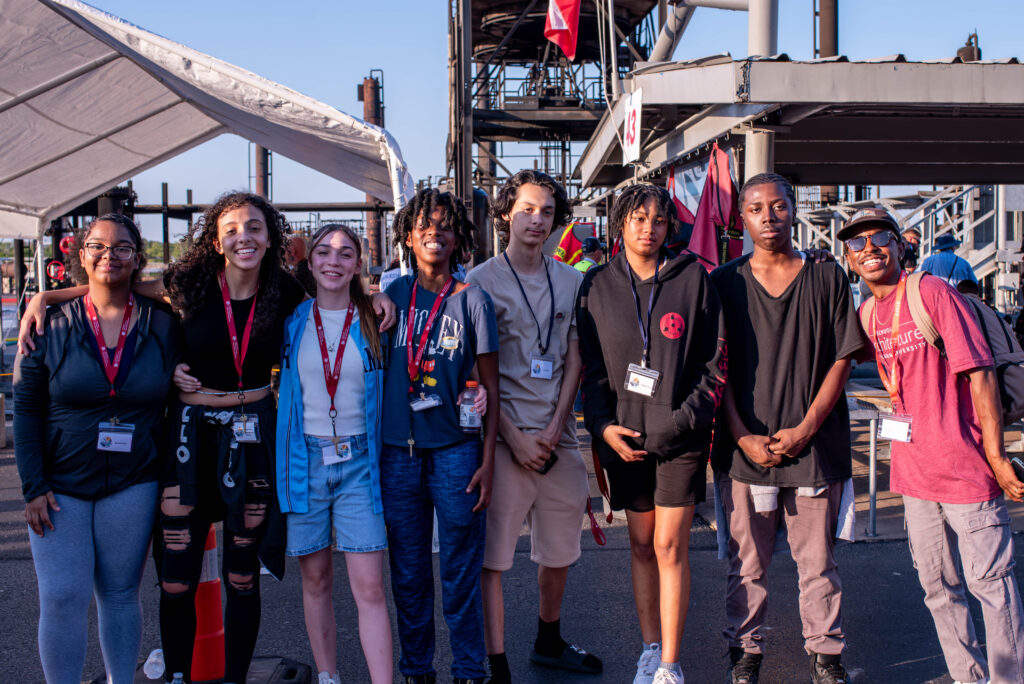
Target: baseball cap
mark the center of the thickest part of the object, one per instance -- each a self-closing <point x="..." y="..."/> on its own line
<point x="591" y="245"/>
<point x="879" y="218"/>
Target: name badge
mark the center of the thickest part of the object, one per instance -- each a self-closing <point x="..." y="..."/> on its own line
<point x="896" y="428"/>
<point x="424" y="402"/>
<point x="115" y="437"/>
<point x="246" y="428"/>
<point x="642" y="380"/>
<point x="337" y="453"/>
<point x="541" y="367"/>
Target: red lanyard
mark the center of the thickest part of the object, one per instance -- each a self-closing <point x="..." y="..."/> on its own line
<point x="414" y="362"/>
<point x="890" y="383"/>
<point x="331" y="377"/>
<point x="238" y="354"/>
<point x="110" y="368"/>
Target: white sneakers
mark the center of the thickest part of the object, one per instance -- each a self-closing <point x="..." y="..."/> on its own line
<point x="663" y="676"/>
<point x="326" y="678"/>
<point x="647" y="665"/>
<point x="983" y="680"/>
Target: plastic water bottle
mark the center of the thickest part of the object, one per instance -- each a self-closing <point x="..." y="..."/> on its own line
<point x="154" y="667"/>
<point x="179" y="678"/>
<point x="469" y="419"/>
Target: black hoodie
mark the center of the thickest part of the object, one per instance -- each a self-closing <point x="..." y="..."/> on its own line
<point x="687" y="348"/>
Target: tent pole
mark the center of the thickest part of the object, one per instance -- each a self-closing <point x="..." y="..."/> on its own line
<point x="40" y="257"/>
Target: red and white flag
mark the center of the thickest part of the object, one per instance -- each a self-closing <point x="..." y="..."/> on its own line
<point x="705" y="198"/>
<point x="562" y="25"/>
<point x="717" y="230"/>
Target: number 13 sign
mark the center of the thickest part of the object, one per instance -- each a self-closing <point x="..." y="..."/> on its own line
<point x="631" y="128"/>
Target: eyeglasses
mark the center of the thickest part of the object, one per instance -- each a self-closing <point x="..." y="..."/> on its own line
<point x="98" y="249"/>
<point x="879" y="240"/>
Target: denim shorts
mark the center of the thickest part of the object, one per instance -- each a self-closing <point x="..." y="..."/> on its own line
<point x="340" y="498"/>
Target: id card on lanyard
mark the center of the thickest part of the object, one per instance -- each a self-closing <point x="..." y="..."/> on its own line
<point x="415" y="353"/>
<point x="896" y="427"/>
<point x="422" y="401"/>
<point x="541" y="364"/>
<point x="113" y="435"/>
<point x="339" y="451"/>
<point x="245" y="426"/>
<point x="642" y="379"/>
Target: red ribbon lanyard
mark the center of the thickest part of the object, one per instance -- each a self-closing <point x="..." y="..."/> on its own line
<point x="110" y="368"/>
<point x="331" y="377"/>
<point x="890" y="384"/>
<point x="414" y="362"/>
<point x="236" y="352"/>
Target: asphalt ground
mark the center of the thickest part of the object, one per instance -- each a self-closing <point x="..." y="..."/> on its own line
<point x="890" y="634"/>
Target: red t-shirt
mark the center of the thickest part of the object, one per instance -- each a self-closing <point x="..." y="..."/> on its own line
<point x="944" y="460"/>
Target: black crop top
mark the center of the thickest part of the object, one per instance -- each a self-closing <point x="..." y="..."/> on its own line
<point x="208" y="347"/>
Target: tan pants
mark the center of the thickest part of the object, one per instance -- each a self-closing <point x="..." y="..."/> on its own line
<point x="810" y="525"/>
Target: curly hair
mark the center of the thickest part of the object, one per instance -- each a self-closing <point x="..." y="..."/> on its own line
<point x="356" y="288"/>
<point x="506" y="199"/>
<point x="74" y="263"/>
<point x="422" y="205"/>
<point x="767" y="179"/>
<point x="191" y="280"/>
<point x="634" y="197"/>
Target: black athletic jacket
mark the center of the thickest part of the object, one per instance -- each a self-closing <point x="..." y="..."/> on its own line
<point x="61" y="396"/>
<point x="687" y="347"/>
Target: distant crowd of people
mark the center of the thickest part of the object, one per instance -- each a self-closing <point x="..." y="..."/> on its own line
<point x="144" y="412"/>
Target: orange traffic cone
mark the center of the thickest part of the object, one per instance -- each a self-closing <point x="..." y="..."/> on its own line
<point x="208" y="652"/>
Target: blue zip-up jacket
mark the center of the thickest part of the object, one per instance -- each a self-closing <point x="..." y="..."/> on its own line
<point x="292" y="459"/>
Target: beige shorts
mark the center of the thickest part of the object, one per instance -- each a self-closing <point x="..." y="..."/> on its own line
<point x="553" y="505"/>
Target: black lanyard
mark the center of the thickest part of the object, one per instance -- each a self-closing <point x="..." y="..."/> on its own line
<point x="551" y="292"/>
<point x="645" y="332"/>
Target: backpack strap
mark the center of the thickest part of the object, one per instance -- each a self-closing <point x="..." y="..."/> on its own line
<point x="919" y="313"/>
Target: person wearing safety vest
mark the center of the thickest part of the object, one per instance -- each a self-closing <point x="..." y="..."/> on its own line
<point x="593" y="254"/>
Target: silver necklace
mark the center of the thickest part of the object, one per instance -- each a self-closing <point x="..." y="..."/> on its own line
<point x="333" y="345"/>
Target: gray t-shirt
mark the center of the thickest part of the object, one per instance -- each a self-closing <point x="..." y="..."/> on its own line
<point x="464" y="328"/>
<point x="529" y="401"/>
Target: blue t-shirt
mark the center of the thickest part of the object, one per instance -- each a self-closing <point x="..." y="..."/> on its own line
<point x="465" y="326"/>
<point x="949" y="267"/>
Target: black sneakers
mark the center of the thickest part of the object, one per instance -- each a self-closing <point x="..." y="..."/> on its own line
<point x="744" y="668"/>
<point x="826" y="669"/>
<point x="421" y="679"/>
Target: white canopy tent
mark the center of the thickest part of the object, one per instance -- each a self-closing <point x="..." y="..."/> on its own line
<point x="88" y="100"/>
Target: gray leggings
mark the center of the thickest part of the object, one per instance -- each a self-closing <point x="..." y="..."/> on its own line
<point x="96" y="547"/>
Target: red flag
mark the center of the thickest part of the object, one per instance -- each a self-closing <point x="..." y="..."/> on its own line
<point x="717" y="230"/>
<point x="562" y="25"/>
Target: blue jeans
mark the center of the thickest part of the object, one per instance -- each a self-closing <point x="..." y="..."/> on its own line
<point x="340" y="498"/>
<point x="413" y="488"/>
<point x="95" y="547"/>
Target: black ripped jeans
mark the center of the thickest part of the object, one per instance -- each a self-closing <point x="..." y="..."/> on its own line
<point x="179" y="547"/>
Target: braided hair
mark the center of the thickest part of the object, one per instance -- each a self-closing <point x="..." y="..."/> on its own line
<point x="419" y="209"/>
<point x="636" y="196"/>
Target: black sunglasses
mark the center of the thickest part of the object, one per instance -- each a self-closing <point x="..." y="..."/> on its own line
<point x="879" y="240"/>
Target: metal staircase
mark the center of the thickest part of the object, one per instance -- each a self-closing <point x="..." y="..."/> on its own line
<point x="990" y="238"/>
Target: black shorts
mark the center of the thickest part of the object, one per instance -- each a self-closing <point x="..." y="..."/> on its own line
<point x="639" y="486"/>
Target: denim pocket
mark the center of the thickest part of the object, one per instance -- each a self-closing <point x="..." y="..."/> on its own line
<point x="989" y="543"/>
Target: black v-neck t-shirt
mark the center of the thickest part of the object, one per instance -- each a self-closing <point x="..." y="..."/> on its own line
<point x="208" y="345"/>
<point x="780" y="350"/>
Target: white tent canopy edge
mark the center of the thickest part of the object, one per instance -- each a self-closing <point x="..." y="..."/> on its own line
<point x="65" y="143"/>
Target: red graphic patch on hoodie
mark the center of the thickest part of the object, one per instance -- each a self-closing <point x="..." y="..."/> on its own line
<point x="672" y="326"/>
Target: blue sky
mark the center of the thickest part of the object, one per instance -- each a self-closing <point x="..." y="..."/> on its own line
<point x="324" y="48"/>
